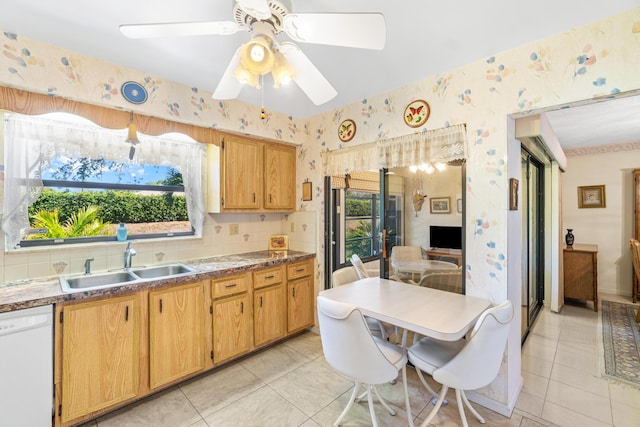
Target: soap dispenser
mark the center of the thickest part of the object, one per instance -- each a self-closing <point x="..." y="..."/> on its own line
<point x="121" y="233"/>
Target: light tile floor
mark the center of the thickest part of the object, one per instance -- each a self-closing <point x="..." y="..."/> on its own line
<point x="290" y="384"/>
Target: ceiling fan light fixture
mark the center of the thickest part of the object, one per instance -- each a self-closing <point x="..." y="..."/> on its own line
<point x="282" y="71"/>
<point x="246" y="77"/>
<point x="257" y="56"/>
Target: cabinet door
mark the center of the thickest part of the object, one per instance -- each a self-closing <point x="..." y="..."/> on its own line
<point x="99" y="355"/>
<point x="269" y="316"/>
<point x="242" y="173"/>
<point x="279" y="177"/>
<point x="300" y="304"/>
<point x="176" y="333"/>
<point x="231" y="327"/>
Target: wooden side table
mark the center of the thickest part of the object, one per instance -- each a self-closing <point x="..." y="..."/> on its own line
<point x="581" y="273"/>
<point x="449" y="255"/>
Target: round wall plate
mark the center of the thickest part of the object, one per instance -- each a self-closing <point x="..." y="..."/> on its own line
<point x="347" y="130"/>
<point x="134" y="92"/>
<point x="417" y="113"/>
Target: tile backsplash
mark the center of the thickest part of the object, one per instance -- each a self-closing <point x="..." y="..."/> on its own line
<point x="253" y="231"/>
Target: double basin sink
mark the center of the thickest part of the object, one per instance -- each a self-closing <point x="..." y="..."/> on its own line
<point x="86" y="282"/>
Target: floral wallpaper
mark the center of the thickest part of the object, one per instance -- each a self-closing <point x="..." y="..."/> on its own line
<point x="598" y="60"/>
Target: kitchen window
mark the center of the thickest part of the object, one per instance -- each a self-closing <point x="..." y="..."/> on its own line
<point x="70" y="181"/>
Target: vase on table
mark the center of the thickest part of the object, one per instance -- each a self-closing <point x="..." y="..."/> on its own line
<point x="568" y="238"/>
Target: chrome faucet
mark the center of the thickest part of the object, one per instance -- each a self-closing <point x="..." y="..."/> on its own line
<point x="128" y="253"/>
<point x="87" y="265"/>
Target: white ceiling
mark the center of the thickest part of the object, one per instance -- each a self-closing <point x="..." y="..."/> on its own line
<point x="424" y="38"/>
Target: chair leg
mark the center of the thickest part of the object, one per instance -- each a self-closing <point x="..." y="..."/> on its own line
<point x="463" y="417"/>
<point x="356" y="389"/>
<point x="427" y="386"/>
<point x="384" y="402"/>
<point x="406" y="396"/>
<point x="374" y="421"/>
<point x="436" y="407"/>
<point x="471" y="408"/>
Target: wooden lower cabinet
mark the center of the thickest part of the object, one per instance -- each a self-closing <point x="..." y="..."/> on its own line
<point x="580" y="264"/>
<point x="176" y="335"/>
<point x="99" y="355"/>
<point x="300" y="296"/>
<point x="231" y="316"/>
<point x="269" y="315"/>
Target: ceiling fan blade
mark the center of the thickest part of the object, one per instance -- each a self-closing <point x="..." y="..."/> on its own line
<point x="362" y="30"/>
<point x="256" y="8"/>
<point x="229" y="87"/>
<point x="180" y="29"/>
<point x="308" y="77"/>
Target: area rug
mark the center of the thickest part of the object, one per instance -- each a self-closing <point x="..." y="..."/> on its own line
<point x="621" y="342"/>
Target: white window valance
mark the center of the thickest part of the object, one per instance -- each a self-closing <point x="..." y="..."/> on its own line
<point x="32" y="143"/>
<point x="438" y="145"/>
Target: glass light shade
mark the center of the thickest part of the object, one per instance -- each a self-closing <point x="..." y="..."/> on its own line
<point x="282" y="71"/>
<point x="246" y="77"/>
<point x="256" y="56"/>
<point x="132" y="134"/>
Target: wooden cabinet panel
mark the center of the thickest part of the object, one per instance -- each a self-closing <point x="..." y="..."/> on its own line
<point x="176" y="335"/>
<point x="99" y="355"/>
<point x="279" y="177"/>
<point x="268" y="277"/>
<point x="300" y="312"/>
<point x="269" y="314"/>
<point x="231" y="327"/>
<point x="580" y="265"/>
<point x="230" y="285"/>
<point x="241" y="173"/>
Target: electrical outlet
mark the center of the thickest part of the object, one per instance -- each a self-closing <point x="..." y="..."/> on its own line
<point x="293" y="227"/>
<point x="234" y="229"/>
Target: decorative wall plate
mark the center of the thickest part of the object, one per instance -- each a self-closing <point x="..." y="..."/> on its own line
<point x="134" y="92"/>
<point x="417" y="113"/>
<point x="347" y="130"/>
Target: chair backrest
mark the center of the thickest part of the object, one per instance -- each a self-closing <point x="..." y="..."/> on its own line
<point x="348" y="345"/>
<point x="344" y="275"/>
<point x="406" y="253"/>
<point x="479" y="361"/>
<point x="635" y="256"/>
<point x="445" y="280"/>
<point x="359" y="266"/>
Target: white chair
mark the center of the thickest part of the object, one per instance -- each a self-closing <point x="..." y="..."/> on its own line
<point x="359" y="266"/>
<point x="467" y="364"/>
<point x="346" y="275"/>
<point x="350" y="349"/>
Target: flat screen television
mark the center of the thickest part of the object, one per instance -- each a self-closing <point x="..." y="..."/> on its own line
<point x="449" y="237"/>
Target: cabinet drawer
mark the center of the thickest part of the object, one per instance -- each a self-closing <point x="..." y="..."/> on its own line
<point x="268" y="277"/>
<point x="230" y="285"/>
<point x="301" y="269"/>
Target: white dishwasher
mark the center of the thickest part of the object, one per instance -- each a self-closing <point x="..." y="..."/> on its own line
<point x="26" y="367"/>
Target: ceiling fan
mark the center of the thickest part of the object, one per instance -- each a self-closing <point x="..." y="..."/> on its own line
<point x="263" y="54"/>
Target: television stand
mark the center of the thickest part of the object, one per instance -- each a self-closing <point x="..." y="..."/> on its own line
<point x="444" y="254"/>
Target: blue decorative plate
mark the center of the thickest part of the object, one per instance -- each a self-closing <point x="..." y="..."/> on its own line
<point x="134" y="92"/>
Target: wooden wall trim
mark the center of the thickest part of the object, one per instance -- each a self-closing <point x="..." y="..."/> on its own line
<point x="30" y="103"/>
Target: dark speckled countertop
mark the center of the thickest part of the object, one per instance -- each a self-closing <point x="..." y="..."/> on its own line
<point x="32" y="293"/>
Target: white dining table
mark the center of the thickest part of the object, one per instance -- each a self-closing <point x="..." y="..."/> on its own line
<point x="417" y="267"/>
<point x="430" y="312"/>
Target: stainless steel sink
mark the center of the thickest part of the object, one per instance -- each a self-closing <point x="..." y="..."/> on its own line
<point x="96" y="281"/>
<point x="84" y="282"/>
<point x="162" y="271"/>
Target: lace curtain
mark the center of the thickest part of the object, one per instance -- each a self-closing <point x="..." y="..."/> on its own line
<point x="31" y="143"/>
<point x="438" y="145"/>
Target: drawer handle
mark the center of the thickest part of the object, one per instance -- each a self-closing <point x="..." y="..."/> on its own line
<point x="269" y="277"/>
<point x="300" y="270"/>
<point x="231" y="286"/>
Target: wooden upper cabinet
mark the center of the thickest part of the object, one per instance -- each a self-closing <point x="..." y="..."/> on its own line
<point x="279" y="177"/>
<point x="241" y="173"/>
<point x="249" y="175"/>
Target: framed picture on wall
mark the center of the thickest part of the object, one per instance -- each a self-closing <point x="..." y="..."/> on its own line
<point x="440" y="205"/>
<point x="459" y="205"/>
<point x="592" y="196"/>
